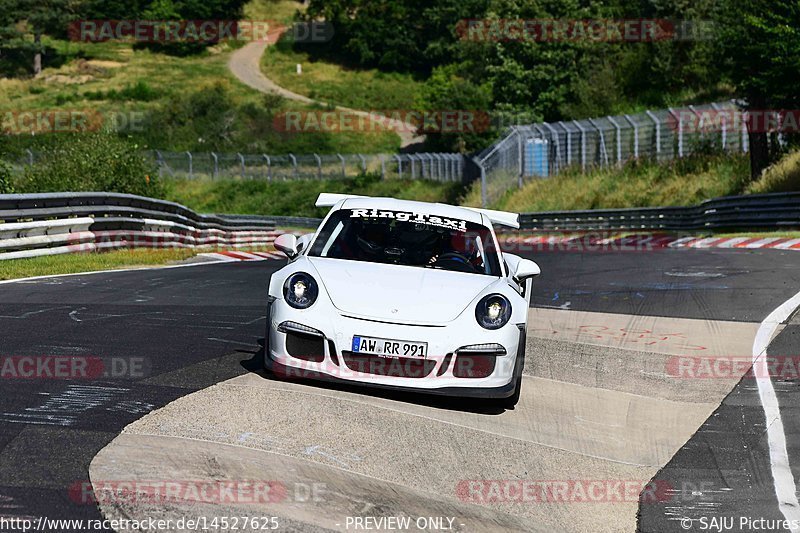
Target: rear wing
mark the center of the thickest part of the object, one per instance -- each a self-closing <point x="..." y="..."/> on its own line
<point x="329" y="199"/>
<point x="502" y="218"/>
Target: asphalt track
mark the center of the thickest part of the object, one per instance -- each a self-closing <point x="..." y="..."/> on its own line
<point x="596" y="403"/>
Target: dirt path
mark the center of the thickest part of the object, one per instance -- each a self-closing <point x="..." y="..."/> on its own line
<point x="245" y="64"/>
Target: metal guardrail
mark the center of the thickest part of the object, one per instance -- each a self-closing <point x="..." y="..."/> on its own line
<point x="774" y="211"/>
<point x="59" y="223"/>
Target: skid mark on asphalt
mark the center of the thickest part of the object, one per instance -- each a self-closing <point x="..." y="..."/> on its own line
<point x="648" y="333"/>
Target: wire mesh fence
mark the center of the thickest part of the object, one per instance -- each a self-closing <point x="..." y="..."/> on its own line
<point x="544" y="149"/>
<point x="210" y="165"/>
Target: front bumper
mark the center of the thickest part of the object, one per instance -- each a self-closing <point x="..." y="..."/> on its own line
<point x="445" y="370"/>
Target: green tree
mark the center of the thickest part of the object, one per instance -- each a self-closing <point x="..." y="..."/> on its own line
<point x="96" y="162"/>
<point x="760" y="47"/>
<point x="24" y="22"/>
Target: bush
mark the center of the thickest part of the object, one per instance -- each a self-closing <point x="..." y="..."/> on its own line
<point x="783" y="176"/>
<point x="6" y="186"/>
<point x="98" y="162"/>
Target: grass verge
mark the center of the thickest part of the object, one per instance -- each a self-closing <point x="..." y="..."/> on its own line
<point x="365" y="89"/>
<point x="642" y="183"/>
<point x="295" y="198"/>
<point x="88" y="262"/>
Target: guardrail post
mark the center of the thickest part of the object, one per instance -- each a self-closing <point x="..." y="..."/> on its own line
<point x="635" y="135"/>
<point x="241" y="161"/>
<point x="399" y="166"/>
<point x="319" y="166"/>
<point x="658" y="132"/>
<point x="269" y="167"/>
<point x="216" y="165"/>
<point x="191" y="173"/>
<point x="294" y="165"/>
<point x="619" y="139"/>
<point x="344" y="166"/>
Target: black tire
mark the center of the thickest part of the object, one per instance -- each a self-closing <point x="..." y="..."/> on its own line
<point x="511" y="402"/>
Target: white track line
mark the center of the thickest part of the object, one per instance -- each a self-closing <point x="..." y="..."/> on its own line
<point x="785" y="488"/>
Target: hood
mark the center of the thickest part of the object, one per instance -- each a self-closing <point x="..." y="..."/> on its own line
<point x="398" y="293"/>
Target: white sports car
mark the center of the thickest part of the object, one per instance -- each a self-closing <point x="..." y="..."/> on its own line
<point x="402" y="295"/>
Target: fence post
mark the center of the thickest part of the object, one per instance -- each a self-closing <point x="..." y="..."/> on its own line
<point x="583" y="143"/>
<point x="241" y="162"/>
<point x="399" y="166"/>
<point x="191" y="173"/>
<point x="269" y="166"/>
<point x="413" y="166"/>
<point x="363" y="163"/>
<point x="658" y="132"/>
<point x="723" y="124"/>
<point x="619" y="139"/>
<point x="521" y="158"/>
<point x="635" y="136"/>
<point x="569" y="142"/>
<point x="677" y="117"/>
<point x="557" y="146"/>
<point x="160" y="163"/>
<point x="344" y="167"/>
<point x="484" y="202"/>
<point x="602" y="139"/>
<point x="383" y="166"/>
<point x="294" y="165"/>
<point x="30" y="156"/>
<point x="745" y="140"/>
<point x="319" y="166"/>
<point x="216" y="165"/>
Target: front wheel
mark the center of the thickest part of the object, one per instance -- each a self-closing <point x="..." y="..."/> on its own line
<point x="511" y="402"/>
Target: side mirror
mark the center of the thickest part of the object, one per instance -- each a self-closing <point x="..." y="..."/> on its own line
<point x="304" y="241"/>
<point x="286" y="243"/>
<point x="525" y="269"/>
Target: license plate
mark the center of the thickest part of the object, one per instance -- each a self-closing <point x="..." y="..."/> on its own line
<point x="389" y="347"/>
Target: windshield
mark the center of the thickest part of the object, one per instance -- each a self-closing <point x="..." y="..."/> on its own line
<point x="410" y="239"/>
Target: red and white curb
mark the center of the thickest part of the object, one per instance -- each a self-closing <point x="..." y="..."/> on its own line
<point x="640" y="242"/>
<point x="229" y="256"/>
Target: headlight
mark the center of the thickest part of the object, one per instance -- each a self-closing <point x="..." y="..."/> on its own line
<point x="493" y="311"/>
<point x="300" y="290"/>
